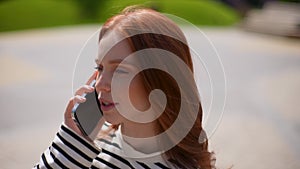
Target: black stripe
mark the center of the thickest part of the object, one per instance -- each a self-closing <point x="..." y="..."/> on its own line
<point x="112" y="135"/>
<point x="161" y="165"/>
<point x="74" y="148"/>
<point x="117" y="157"/>
<point x="68" y="156"/>
<point x="143" y="165"/>
<point x="110" y="143"/>
<point x="94" y="167"/>
<point x="57" y="161"/>
<point x="93" y="149"/>
<point x="107" y="163"/>
<point x="37" y="166"/>
<point x="45" y="161"/>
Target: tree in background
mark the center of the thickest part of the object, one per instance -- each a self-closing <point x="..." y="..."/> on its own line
<point x="89" y="9"/>
<point x="242" y="6"/>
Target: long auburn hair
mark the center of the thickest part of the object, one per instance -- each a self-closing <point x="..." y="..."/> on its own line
<point x="189" y="152"/>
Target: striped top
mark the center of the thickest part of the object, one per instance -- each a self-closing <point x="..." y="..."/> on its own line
<point x="69" y="150"/>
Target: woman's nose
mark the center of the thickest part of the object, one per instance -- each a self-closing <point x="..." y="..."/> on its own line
<point x="103" y="83"/>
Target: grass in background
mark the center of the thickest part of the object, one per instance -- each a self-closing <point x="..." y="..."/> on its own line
<point x="199" y="12"/>
<point x="26" y="14"/>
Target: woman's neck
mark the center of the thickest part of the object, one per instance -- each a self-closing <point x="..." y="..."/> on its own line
<point x="142" y="131"/>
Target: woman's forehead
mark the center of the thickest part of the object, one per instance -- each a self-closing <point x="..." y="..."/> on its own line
<point x="113" y="47"/>
<point x="108" y="41"/>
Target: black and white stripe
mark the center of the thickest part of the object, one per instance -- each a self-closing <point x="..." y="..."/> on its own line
<point x="70" y="150"/>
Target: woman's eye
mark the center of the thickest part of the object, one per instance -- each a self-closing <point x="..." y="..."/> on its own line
<point x="122" y="71"/>
<point x="99" y="68"/>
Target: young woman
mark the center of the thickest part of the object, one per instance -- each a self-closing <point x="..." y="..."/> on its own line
<point x="149" y="99"/>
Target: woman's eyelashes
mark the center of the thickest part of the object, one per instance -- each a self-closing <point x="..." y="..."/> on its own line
<point x="121" y="71"/>
<point x="99" y="68"/>
<point x="118" y="70"/>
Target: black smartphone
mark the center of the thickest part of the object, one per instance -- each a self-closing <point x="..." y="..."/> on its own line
<point x="88" y="114"/>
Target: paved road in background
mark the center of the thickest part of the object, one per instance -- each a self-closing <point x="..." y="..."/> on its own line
<point x="260" y="127"/>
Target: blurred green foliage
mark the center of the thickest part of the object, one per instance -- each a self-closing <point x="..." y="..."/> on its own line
<point x="88" y="9"/>
<point x="25" y="14"/>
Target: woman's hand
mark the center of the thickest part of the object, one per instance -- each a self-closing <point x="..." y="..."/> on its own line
<point x="68" y="119"/>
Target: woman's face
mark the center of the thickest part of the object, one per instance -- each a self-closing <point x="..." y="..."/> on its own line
<point x="109" y="66"/>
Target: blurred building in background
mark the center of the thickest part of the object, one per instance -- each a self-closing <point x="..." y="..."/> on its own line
<point x="269" y="16"/>
<point x="243" y="6"/>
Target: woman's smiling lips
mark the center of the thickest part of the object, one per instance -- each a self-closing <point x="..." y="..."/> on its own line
<point x="107" y="105"/>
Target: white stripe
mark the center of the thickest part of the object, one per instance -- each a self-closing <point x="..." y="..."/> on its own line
<point x="42" y="165"/>
<point x="113" y="160"/>
<point x="98" y="164"/>
<point x="50" y="160"/>
<point x="62" y="158"/>
<point x="78" y="144"/>
<point x="71" y="152"/>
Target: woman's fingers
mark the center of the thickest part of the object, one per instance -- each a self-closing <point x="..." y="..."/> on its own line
<point x="87" y="88"/>
<point x="74" y="100"/>
<point x="93" y="77"/>
<point x="84" y="89"/>
<point x="78" y="98"/>
<point x="68" y="120"/>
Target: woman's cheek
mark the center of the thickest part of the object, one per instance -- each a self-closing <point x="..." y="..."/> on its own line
<point x="138" y="95"/>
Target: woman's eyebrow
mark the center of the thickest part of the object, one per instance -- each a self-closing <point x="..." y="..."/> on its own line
<point x="117" y="62"/>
